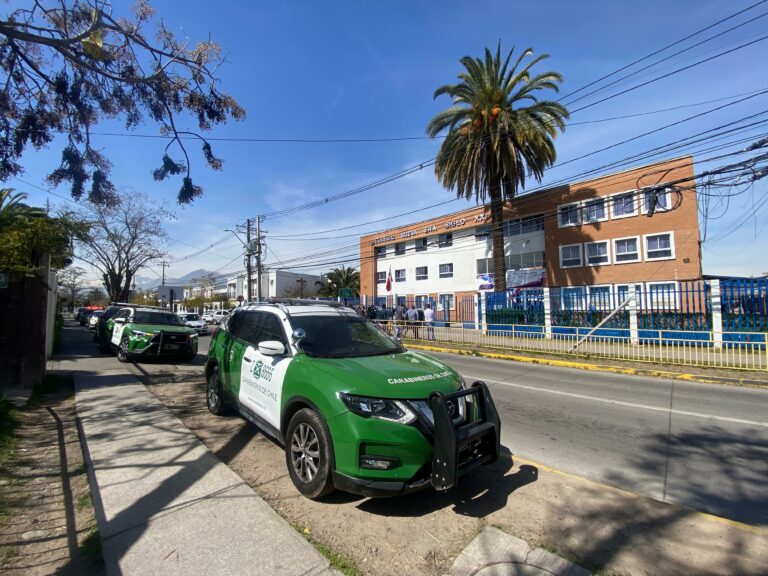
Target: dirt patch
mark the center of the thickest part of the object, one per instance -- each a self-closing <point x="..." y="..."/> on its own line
<point x="47" y="525"/>
<point x="421" y="534"/>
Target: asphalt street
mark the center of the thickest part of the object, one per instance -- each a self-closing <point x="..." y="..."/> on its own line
<point x="703" y="446"/>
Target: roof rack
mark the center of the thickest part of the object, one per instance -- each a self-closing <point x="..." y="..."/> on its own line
<point x="303" y="302"/>
<point x="137" y="305"/>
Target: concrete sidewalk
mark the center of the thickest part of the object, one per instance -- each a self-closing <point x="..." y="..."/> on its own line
<point x="164" y="503"/>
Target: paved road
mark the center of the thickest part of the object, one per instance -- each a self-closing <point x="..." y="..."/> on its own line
<point x="700" y="445"/>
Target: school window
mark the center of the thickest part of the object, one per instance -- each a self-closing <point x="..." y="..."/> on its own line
<point x="444" y="240"/>
<point x="484" y="265"/>
<point x="421" y="245"/>
<point x="600" y="298"/>
<point x="421" y="273"/>
<point x="446" y="270"/>
<point x="445" y="302"/>
<point x="658" y="246"/>
<point x="568" y="215"/>
<point x="511" y="228"/>
<point x="400" y="275"/>
<point x="662" y="200"/>
<point x="594" y="210"/>
<point x="380" y="251"/>
<point x="483" y="233"/>
<point x="662" y="296"/>
<point x="570" y="256"/>
<point x="623" y="205"/>
<point x="531" y="224"/>
<point x="421" y="301"/>
<point x="622" y="293"/>
<point x="597" y="253"/>
<point x="399" y="248"/>
<point x="573" y="298"/>
<point x="626" y="250"/>
<point x="381" y="277"/>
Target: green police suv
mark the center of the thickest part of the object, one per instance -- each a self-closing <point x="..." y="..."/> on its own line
<point x="354" y="410"/>
<point x="144" y="332"/>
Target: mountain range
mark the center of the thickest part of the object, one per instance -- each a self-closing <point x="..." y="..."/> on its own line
<point x="148" y="283"/>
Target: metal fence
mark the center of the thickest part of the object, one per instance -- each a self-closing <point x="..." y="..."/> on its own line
<point x="656" y="346"/>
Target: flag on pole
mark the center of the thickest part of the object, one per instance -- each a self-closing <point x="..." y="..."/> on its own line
<point x="389" y="279"/>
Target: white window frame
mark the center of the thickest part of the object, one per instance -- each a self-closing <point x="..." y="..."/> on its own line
<point x="611" y="298"/>
<point x="439" y="302"/>
<point x="424" y="298"/>
<point x="673" y="306"/>
<point x="383" y="277"/>
<point x="640" y="292"/>
<point x="440" y="273"/>
<point x="404" y="247"/>
<point x="585" y="207"/>
<point x="403" y="279"/>
<point x="608" y="254"/>
<point x="416" y="273"/>
<point x="563" y="300"/>
<point x="581" y="256"/>
<point x="380" y="251"/>
<point x="423" y="247"/>
<point x="665" y="192"/>
<point x="578" y="214"/>
<point x="639" y="250"/>
<point x="634" y="213"/>
<point x="671" y="246"/>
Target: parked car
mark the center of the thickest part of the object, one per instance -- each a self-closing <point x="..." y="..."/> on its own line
<point x="353" y="409"/>
<point x="85" y="315"/>
<point x="216" y="316"/>
<point x="93" y="320"/>
<point x="144" y="332"/>
<point x="195" y="321"/>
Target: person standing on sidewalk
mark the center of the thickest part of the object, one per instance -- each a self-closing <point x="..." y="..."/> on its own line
<point x="413" y="320"/>
<point x="429" y="321"/>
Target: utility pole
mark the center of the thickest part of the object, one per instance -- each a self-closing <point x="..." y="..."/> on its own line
<point x="258" y="258"/>
<point x="248" y="260"/>
<point x="301" y="282"/>
<point x="164" y="264"/>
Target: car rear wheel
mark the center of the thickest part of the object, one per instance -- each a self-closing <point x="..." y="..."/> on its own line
<point x="308" y="454"/>
<point x="214" y="398"/>
<point x="123" y="353"/>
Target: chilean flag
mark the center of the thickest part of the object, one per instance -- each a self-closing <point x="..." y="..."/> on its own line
<point x="389" y="280"/>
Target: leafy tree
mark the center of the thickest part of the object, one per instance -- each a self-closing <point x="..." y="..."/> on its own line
<point x="70" y="63"/>
<point x="28" y="234"/>
<point x="119" y="239"/>
<point x="13" y="210"/>
<point x="70" y="279"/>
<point x="498" y="133"/>
<point x="338" y="278"/>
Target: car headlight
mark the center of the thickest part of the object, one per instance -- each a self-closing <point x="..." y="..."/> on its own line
<point x="193" y="336"/>
<point x="381" y="408"/>
<point x="140" y="333"/>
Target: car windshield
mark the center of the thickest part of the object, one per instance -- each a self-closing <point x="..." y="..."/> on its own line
<point x="190" y="317"/>
<point x="145" y="317"/>
<point x="342" y="337"/>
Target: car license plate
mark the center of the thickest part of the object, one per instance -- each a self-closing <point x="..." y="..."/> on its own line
<point x="171" y="346"/>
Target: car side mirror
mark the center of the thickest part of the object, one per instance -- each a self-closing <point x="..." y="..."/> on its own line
<point x="271" y="348"/>
<point x="119" y="320"/>
<point x="298" y="335"/>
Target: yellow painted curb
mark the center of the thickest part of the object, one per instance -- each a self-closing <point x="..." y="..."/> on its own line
<point x="588" y="366"/>
<point x="727" y="521"/>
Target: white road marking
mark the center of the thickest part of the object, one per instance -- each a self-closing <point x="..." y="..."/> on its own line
<point x="620" y="403"/>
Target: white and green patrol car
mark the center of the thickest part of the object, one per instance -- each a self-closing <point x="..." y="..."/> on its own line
<point x="353" y="408"/>
<point x="138" y="332"/>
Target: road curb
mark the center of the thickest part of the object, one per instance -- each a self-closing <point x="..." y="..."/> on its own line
<point x="599" y="367"/>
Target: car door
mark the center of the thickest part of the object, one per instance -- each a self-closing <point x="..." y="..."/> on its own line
<point x="233" y="346"/>
<point x="118" y="327"/>
<point x="262" y="376"/>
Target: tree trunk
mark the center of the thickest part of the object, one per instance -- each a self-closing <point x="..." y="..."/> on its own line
<point x="497" y="235"/>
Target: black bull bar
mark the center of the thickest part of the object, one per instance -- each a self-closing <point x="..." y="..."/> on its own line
<point x="459" y="448"/>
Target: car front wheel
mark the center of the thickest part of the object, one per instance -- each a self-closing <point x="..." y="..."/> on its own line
<point x="308" y="454"/>
<point x="123" y="353"/>
<point x="214" y="399"/>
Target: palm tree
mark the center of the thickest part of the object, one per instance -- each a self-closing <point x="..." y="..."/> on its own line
<point x="338" y="278"/>
<point x="499" y="132"/>
<point x="13" y="210"/>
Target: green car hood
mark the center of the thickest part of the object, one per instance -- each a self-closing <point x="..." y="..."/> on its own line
<point x="155" y="328"/>
<point x="407" y="375"/>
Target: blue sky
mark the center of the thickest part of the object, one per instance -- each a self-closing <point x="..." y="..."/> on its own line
<point x="325" y="70"/>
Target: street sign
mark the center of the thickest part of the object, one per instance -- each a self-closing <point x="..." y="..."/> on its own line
<point x="346" y="293"/>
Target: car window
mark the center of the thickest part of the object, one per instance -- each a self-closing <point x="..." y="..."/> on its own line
<point x="342" y="336"/>
<point x="152" y="317"/>
<point x="189" y="317"/>
<point x="271" y="329"/>
<point x="236" y="326"/>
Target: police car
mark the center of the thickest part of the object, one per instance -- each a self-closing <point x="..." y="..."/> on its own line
<point x="353" y="409"/>
<point x="144" y="332"/>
